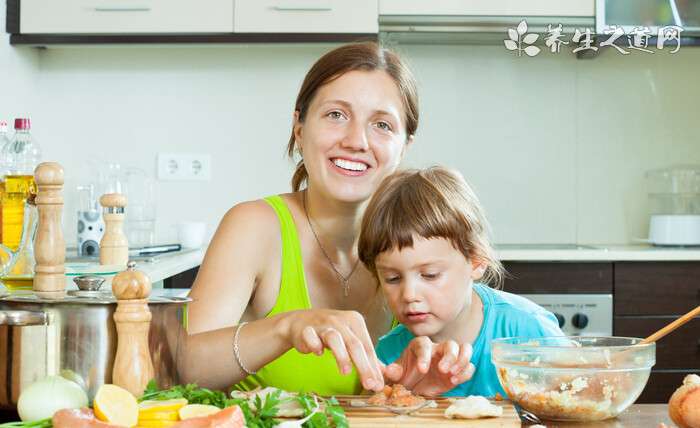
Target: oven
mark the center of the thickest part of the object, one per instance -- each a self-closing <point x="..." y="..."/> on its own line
<point x="579" y="314"/>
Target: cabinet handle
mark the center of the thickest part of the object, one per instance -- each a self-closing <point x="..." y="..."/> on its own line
<point x="122" y="9"/>
<point x="313" y="6"/>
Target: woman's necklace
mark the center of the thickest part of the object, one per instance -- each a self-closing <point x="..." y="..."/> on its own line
<point x="344" y="280"/>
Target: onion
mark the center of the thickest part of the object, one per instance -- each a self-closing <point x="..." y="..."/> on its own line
<point x="43" y="398"/>
<point x="684" y="406"/>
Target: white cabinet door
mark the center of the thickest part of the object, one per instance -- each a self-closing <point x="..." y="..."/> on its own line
<point x="125" y="16"/>
<point x="488" y="7"/>
<point x="306" y="16"/>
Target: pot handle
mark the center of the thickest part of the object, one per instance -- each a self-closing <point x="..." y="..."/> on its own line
<point x="23" y="318"/>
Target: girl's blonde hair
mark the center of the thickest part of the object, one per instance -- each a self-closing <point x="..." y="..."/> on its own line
<point x="433" y="203"/>
<point x="365" y="56"/>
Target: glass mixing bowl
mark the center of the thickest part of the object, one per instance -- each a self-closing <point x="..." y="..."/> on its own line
<point x="573" y="378"/>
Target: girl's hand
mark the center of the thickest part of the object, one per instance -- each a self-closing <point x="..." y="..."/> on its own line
<point x="431" y="369"/>
<point x="345" y="334"/>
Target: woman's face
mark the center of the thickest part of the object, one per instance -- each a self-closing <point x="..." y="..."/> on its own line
<point x="353" y="135"/>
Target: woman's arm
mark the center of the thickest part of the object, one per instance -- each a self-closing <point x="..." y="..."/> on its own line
<point x="228" y="277"/>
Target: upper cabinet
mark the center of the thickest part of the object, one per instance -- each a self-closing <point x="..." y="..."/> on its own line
<point x="66" y="22"/>
<point x="518" y="8"/>
<point x="125" y="16"/>
<point x="306" y="16"/>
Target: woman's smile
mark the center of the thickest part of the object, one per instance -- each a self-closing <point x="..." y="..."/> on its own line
<point x="348" y="167"/>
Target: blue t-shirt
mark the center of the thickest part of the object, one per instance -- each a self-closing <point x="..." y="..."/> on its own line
<point x="505" y="315"/>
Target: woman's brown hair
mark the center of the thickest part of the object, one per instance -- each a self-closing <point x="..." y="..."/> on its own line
<point x="366" y="56"/>
<point x="432" y="203"/>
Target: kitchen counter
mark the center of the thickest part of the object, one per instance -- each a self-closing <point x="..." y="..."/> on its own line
<point x="602" y="253"/>
<point x="639" y="415"/>
<point x="158" y="267"/>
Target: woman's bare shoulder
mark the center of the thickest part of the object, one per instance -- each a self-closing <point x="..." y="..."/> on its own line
<point x="250" y="218"/>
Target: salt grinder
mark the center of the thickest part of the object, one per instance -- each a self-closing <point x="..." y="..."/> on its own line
<point x="49" y="245"/>
<point x="114" y="248"/>
<point x="133" y="368"/>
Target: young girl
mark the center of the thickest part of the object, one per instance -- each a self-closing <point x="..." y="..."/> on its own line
<point x="424" y="237"/>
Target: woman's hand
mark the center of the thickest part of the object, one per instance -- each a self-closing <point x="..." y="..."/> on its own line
<point x="344" y="333"/>
<point x="431" y="369"/>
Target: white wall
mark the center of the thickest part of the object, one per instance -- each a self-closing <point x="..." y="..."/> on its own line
<point x="556" y="147"/>
<point x="18" y="75"/>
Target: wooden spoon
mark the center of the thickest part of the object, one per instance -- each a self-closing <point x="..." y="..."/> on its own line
<point x="672" y="326"/>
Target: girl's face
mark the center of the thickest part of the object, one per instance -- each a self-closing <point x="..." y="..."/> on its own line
<point x="427" y="286"/>
<point x="353" y="134"/>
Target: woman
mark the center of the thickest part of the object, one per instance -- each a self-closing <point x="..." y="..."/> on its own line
<point x="281" y="280"/>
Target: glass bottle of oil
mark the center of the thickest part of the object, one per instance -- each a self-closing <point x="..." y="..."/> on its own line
<point x="23" y="155"/>
<point x="4" y="145"/>
<point x="18" y="266"/>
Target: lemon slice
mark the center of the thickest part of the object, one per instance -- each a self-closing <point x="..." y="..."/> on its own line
<point x="159" y="416"/>
<point x="196" y="410"/>
<point x="156" y="406"/>
<point x="116" y="405"/>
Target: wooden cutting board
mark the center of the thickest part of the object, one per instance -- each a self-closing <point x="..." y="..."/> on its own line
<point x="361" y="417"/>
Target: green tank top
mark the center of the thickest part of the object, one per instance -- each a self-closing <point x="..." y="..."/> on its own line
<point x="294" y="371"/>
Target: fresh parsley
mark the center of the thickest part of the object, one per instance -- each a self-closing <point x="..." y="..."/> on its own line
<point x="265" y="409"/>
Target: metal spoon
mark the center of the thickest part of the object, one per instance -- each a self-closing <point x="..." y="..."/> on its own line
<point x="527" y="416"/>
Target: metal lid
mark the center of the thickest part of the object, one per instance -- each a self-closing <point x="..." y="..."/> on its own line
<point x="21" y="318"/>
<point x="84" y="297"/>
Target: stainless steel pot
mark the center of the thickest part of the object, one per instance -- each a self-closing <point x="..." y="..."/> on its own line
<point x="75" y="336"/>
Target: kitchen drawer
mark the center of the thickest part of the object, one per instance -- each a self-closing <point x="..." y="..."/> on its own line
<point x="656" y="288"/>
<point x="125" y="16"/>
<point x="678" y="350"/>
<point x="558" y="278"/>
<point x="662" y="384"/>
<point x="306" y="16"/>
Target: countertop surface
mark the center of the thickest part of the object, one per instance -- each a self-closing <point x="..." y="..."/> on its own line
<point x="637" y="416"/>
<point x="158" y="267"/>
<point x="602" y="253"/>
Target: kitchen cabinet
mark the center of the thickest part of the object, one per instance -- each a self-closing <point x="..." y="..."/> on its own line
<point x="558" y="278"/>
<point x="649" y="295"/>
<point x="305" y="16"/>
<point x="82" y="22"/>
<point x="125" y="16"/>
<point x="182" y="280"/>
<point x="488" y="7"/>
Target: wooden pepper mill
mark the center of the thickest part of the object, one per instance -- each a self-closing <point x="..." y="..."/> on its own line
<point x="133" y="368"/>
<point x="114" y="248"/>
<point x="49" y="245"/>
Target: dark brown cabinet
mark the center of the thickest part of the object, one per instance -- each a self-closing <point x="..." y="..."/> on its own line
<point x="649" y="295"/>
<point x="182" y="280"/>
<point x="646" y="296"/>
<point x="558" y="278"/>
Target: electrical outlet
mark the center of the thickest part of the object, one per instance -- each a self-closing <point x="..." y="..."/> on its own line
<point x="184" y="166"/>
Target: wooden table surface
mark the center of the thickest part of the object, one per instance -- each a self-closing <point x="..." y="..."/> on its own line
<point x="637" y="416"/>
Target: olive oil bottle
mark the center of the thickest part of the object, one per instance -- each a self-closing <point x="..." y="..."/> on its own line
<point x="21" y="155"/>
<point x="4" y="165"/>
<point x="17" y="189"/>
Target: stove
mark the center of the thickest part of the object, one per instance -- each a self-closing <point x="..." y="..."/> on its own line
<point x="579" y="314"/>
